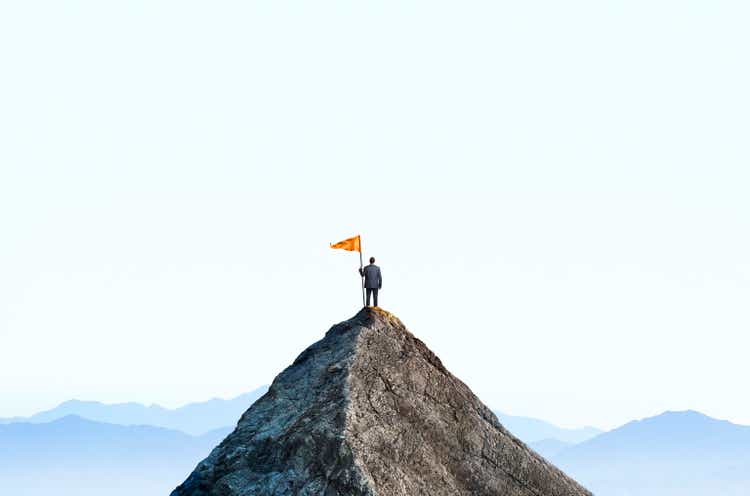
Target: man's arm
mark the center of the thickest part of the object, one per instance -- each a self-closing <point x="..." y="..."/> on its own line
<point x="361" y="272"/>
<point x="380" y="279"/>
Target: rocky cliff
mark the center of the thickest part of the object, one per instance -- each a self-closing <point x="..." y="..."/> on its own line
<point x="370" y="410"/>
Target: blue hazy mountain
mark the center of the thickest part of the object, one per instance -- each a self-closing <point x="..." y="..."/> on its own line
<point x="549" y="447"/>
<point x="198" y="418"/>
<point x="194" y="418"/>
<point x="79" y="457"/>
<point x="531" y="430"/>
<point x="675" y="453"/>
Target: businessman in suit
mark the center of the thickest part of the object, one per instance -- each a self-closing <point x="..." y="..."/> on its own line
<point x="373" y="280"/>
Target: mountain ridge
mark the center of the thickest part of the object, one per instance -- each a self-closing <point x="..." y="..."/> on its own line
<point x="676" y="453"/>
<point x="220" y="413"/>
<point x="193" y="418"/>
<point x="533" y="430"/>
<point x="74" y="456"/>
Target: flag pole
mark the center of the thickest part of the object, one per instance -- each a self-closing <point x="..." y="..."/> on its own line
<point x="361" y="266"/>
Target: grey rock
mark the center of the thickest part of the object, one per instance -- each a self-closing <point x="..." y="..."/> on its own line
<point x="370" y="410"/>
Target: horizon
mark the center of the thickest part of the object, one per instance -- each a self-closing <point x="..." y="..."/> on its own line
<point x="494" y="410"/>
<point x="556" y="195"/>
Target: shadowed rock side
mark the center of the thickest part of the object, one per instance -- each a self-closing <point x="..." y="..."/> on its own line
<point x="370" y="410"/>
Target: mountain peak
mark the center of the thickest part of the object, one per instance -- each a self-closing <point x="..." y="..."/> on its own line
<point x="76" y="402"/>
<point x="71" y="419"/>
<point x="368" y="410"/>
<point x="683" y="413"/>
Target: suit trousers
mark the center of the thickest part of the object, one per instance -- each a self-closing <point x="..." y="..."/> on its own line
<point x="374" y="292"/>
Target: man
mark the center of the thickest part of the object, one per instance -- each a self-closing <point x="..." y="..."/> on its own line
<point x="373" y="280"/>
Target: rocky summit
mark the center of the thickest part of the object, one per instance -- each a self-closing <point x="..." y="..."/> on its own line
<point x="370" y="410"/>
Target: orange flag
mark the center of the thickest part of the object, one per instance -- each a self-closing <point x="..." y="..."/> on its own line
<point x="351" y="244"/>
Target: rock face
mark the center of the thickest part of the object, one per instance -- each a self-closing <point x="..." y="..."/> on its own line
<point x="370" y="410"/>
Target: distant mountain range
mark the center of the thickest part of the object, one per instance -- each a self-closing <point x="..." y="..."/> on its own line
<point x="549" y="447"/>
<point x="82" y="448"/>
<point x="194" y="418"/>
<point x="201" y="417"/>
<point x="531" y="430"/>
<point x="72" y="456"/>
<point x="673" y="454"/>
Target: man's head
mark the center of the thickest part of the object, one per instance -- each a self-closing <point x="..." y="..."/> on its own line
<point x="372" y="259"/>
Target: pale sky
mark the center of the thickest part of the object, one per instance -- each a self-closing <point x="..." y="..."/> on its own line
<point x="557" y="194"/>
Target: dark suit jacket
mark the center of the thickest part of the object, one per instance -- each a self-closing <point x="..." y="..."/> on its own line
<point x="373" y="279"/>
